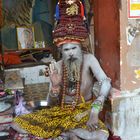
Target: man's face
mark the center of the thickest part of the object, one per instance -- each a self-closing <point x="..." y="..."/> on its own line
<point x="72" y="57"/>
<point x="71" y="51"/>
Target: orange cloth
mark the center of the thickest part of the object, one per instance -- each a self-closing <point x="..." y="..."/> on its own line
<point x="11" y="59"/>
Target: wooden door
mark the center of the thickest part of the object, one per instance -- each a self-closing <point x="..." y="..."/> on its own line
<point x="107" y="34"/>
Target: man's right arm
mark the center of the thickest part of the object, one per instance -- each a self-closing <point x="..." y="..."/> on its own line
<point x="54" y="72"/>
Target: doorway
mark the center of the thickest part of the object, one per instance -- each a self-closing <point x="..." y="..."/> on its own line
<point x="107" y="36"/>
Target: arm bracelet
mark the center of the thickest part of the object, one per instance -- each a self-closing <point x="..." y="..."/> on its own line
<point x="54" y="95"/>
<point x="54" y="91"/>
<point x="101" y="81"/>
<point x="97" y="104"/>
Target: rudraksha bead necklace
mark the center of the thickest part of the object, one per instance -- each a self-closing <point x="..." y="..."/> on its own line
<point x="65" y="86"/>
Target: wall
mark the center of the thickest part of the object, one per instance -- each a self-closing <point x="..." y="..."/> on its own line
<point x="130" y="54"/>
<point x="121" y="61"/>
<point x="33" y="75"/>
<point x="125" y="113"/>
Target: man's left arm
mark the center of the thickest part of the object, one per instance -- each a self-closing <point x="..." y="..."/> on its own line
<point x="103" y="80"/>
<point x="105" y="84"/>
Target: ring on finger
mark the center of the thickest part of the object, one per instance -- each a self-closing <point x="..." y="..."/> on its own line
<point x="95" y="126"/>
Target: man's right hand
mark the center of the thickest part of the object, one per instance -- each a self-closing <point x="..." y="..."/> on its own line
<point x="52" y="72"/>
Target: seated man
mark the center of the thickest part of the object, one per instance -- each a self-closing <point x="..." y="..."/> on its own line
<point x="76" y="115"/>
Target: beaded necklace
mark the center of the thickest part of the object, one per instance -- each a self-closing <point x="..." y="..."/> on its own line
<point x="66" y="85"/>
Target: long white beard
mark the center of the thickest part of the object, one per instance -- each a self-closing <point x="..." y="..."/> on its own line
<point x="74" y="68"/>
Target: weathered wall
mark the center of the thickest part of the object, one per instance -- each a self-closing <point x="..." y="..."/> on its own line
<point x="33" y="75"/>
<point x="121" y="61"/>
<point x="125" y="115"/>
<point x="129" y="54"/>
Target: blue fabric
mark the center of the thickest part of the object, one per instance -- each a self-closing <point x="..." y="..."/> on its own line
<point x="40" y="10"/>
<point x="57" y="15"/>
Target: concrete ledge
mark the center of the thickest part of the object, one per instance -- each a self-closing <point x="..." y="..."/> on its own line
<point x="125" y="114"/>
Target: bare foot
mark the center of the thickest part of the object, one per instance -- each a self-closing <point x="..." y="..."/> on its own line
<point x="73" y="137"/>
<point x="16" y="127"/>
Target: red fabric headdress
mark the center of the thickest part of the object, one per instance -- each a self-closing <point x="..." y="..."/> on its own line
<point x="71" y="26"/>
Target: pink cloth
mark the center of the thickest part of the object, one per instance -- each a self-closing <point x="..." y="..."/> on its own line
<point x="20" y="108"/>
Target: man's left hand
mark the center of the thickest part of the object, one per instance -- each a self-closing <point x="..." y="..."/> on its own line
<point x="92" y="123"/>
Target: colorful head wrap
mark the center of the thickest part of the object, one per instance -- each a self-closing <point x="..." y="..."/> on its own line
<point x="71" y="26"/>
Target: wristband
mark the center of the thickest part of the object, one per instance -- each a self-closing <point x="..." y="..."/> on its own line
<point x="97" y="104"/>
<point x="54" y="95"/>
<point x="102" y="80"/>
<point x="55" y="89"/>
